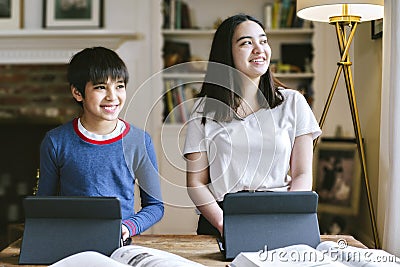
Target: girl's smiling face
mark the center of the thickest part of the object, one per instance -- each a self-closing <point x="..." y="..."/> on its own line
<point x="250" y="50"/>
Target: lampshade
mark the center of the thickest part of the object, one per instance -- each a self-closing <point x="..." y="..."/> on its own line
<point x="322" y="10"/>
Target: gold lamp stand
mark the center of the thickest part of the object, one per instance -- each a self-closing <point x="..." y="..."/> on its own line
<point x="341" y="22"/>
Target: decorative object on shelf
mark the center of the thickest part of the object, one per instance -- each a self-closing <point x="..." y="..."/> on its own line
<point x="11" y="14"/>
<point x="376" y="28"/>
<point x="81" y="14"/>
<point x="337" y="176"/>
<point x="175" y="52"/>
<point x="345" y="14"/>
<point x="197" y="64"/>
<point x="296" y="55"/>
<point x="216" y="23"/>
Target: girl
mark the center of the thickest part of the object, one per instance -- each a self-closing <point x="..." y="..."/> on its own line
<point x="246" y="130"/>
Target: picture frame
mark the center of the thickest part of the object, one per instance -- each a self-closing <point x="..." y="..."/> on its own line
<point x="75" y="14"/>
<point x="11" y="14"/>
<point x="376" y="29"/>
<point x="337" y="176"/>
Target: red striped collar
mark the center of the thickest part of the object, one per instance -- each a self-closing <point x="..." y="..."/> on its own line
<point x="103" y="142"/>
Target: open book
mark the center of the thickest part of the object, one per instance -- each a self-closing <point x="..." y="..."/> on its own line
<point x="327" y="253"/>
<point x="131" y="255"/>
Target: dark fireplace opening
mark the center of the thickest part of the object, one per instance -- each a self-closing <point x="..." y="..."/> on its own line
<point x="33" y="100"/>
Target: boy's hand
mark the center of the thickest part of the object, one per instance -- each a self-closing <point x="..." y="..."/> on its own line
<point x="125" y="232"/>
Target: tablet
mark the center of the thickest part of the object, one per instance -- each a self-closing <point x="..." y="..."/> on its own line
<point x="59" y="226"/>
<point x="254" y="221"/>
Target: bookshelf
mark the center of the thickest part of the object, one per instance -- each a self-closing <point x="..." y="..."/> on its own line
<point x="198" y="34"/>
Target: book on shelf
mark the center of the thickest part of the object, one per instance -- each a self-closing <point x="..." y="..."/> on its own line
<point x="282" y="14"/>
<point x="169" y="115"/>
<point x="131" y="255"/>
<point x="284" y="11"/>
<point x="268" y="16"/>
<point x="327" y="253"/>
<point x="166" y="14"/>
<point x="276" y="14"/>
<point x="178" y="100"/>
<point x="290" y="16"/>
<point x="176" y="15"/>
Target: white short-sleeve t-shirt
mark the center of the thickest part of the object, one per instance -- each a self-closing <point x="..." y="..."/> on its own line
<point x="251" y="153"/>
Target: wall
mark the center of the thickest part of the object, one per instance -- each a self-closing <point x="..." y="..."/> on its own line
<point x="368" y="77"/>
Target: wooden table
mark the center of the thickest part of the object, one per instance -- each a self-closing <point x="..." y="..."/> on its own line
<point x="199" y="248"/>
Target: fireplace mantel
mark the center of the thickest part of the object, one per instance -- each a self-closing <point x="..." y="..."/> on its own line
<point x="55" y="46"/>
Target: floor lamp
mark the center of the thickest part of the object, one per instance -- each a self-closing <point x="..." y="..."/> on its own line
<point x="345" y="14"/>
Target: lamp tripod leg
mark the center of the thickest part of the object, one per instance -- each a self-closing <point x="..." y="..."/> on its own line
<point x="360" y="146"/>
<point x="328" y="101"/>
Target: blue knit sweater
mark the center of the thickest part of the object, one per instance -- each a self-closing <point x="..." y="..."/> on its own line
<point x="73" y="165"/>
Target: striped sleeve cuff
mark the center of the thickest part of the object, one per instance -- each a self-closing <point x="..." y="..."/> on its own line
<point x="131" y="227"/>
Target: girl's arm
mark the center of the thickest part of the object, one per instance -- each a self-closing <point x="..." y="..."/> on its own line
<point x="197" y="179"/>
<point x="301" y="163"/>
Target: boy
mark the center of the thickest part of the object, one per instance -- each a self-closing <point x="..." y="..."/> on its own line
<point x="99" y="154"/>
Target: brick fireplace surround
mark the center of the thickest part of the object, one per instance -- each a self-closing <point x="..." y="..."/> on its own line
<point x="34" y="92"/>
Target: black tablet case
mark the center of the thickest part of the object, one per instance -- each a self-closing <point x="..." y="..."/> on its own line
<point x="253" y="220"/>
<point x="57" y="227"/>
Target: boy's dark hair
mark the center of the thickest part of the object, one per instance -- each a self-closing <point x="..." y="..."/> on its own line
<point x="96" y="65"/>
<point x="225" y="92"/>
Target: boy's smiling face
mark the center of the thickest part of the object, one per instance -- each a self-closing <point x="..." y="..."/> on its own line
<point x="103" y="101"/>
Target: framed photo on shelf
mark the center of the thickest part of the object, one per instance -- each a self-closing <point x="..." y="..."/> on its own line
<point x="11" y="14"/>
<point x="77" y="14"/>
<point x="337" y="176"/>
<point x="376" y="28"/>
